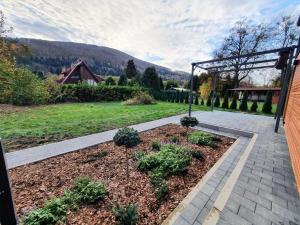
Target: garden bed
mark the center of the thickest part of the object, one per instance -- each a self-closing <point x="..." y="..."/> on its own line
<point x="35" y="183"/>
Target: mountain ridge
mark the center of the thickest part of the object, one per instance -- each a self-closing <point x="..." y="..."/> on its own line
<point x="52" y="56"/>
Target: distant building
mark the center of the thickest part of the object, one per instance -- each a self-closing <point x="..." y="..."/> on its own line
<point x="258" y="93"/>
<point x="79" y="72"/>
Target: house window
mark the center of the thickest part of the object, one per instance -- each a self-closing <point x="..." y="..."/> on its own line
<point x="91" y="82"/>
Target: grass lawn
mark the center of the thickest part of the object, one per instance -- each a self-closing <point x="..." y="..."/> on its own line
<point x="33" y="126"/>
<point x="38" y="125"/>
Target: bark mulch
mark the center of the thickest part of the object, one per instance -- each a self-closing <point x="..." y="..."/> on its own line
<point x="33" y="184"/>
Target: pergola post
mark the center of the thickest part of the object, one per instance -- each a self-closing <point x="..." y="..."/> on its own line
<point x="284" y="89"/>
<point x="213" y="92"/>
<point x="7" y="209"/>
<point x="191" y="90"/>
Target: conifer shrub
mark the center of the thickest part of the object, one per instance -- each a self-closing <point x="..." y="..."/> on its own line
<point x="202" y="138"/>
<point x="244" y="103"/>
<point x="155" y="145"/>
<point x="186" y="98"/>
<point x="208" y="102"/>
<point x="225" y="104"/>
<point x="197" y="155"/>
<point x="126" y="215"/>
<point x="233" y="104"/>
<point x="267" y="106"/>
<point x="202" y="101"/>
<point x="187" y="122"/>
<point x="177" y="99"/>
<point x="217" y="101"/>
<point x="254" y="106"/>
<point x="196" y="100"/>
<point x="181" y="99"/>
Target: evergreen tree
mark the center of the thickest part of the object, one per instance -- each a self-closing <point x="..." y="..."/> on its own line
<point x="196" y="100"/>
<point x="225" y="101"/>
<point x="122" y="80"/>
<point x="202" y="101"/>
<point x="150" y="79"/>
<point x="244" y="103"/>
<point x="217" y="102"/>
<point x="181" y="99"/>
<point x="267" y="107"/>
<point x="196" y="83"/>
<point x="208" y="102"/>
<point x="254" y="106"/>
<point x="171" y="83"/>
<point x="186" y="99"/>
<point x="177" y="96"/>
<point x="130" y="69"/>
<point x="233" y="104"/>
<point x="173" y="97"/>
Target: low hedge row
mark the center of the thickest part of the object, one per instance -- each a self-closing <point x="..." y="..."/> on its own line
<point x="88" y="93"/>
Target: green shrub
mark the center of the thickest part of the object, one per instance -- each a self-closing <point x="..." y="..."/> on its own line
<point x="267" y="107"/>
<point x="244" y="103"/>
<point x="233" y="104"/>
<point x="140" y="99"/>
<point x="55" y="210"/>
<point x="138" y="155"/>
<point x="196" y="100"/>
<point x="83" y="92"/>
<point x="198" y="155"/>
<point x="254" y="106"/>
<point x="177" y="99"/>
<point x="171" y="159"/>
<point x="88" y="191"/>
<point x="122" y="80"/>
<point x="186" y="98"/>
<point x="187" y="122"/>
<point x="126" y="215"/>
<point x="173" y="139"/>
<point x="155" y="145"/>
<point x="202" y="138"/>
<point x="110" y="81"/>
<point x="26" y="88"/>
<point x="54" y="89"/>
<point x="181" y="98"/>
<point x="162" y="191"/>
<point x="129" y="138"/>
<point x="217" y="101"/>
<point x="208" y="102"/>
<point x="225" y="104"/>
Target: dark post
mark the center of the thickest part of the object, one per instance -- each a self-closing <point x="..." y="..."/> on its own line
<point x="284" y="88"/>
<point x="191" y="91"/>
<point x="7" y="209"/>
<point x="280" y="93"/>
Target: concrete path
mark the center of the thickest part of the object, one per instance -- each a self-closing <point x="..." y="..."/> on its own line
<point x="264" y="192"/>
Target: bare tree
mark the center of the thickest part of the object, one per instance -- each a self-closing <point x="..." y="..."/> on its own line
<point x="285" y="32"/>
<point x="4" y="30"/>
<point x="244" y="38"/>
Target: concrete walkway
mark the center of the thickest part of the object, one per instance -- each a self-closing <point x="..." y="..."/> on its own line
<point x="264" y="191"/>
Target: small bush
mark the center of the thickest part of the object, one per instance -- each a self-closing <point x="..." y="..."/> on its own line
<point x="202" y="138"/>
<point x="110" y="81"/>
<point x="198" y="155"/>
<point x="225" y="104"/>
<point x="126" y="215"/>
<point x="208" y="102"/>
<point x="254" y="106"/>
<point x="202" y="102"/>
<point x="54" y="211"/>
<point x="267" y="107"/>
<point x="141" y="99"/>
<point x="217" y="101"/>
<point x="155" y="145"/>
<point x="127" y="137"/>
<point x="88" y="191"/>
<point x="138" y="155"/>
<point x="173" y="139"/>
<point x="187" y="122"/>
<point x="162" y="191"/>
<point x="95" y="157"/>
<point x="196" y="102"/>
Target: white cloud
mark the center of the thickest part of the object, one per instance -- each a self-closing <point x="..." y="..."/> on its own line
<point x="171" y="33"/>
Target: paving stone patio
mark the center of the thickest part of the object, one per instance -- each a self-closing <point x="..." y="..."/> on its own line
<point x="265" y="191"/>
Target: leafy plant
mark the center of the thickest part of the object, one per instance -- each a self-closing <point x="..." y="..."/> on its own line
<point x="129" y="138"/>
<point x="155" y="145"/>
<point x="138" y="155"/>
<point x="126" y="215"/>
<point x="162" y="190"/>
<point x="187" y="122"/>
<point x="202" y="138"/>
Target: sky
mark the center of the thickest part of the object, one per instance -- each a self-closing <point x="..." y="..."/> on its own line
<point x="171" y="33"/>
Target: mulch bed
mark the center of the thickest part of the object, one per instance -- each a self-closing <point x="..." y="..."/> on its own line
<point x="35" y="183"/>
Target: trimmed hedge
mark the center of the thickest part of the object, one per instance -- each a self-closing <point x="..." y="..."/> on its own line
<point x="87" y="93"/>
